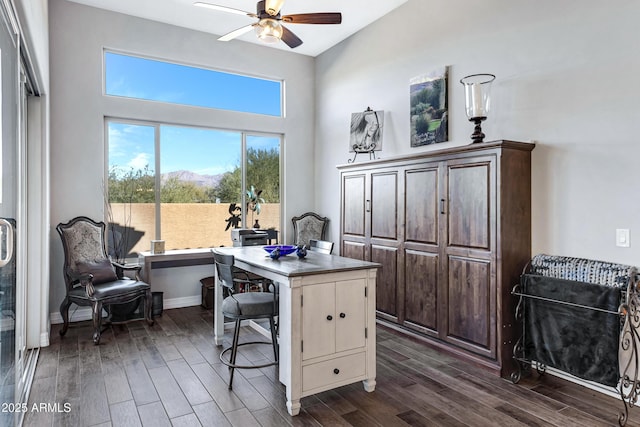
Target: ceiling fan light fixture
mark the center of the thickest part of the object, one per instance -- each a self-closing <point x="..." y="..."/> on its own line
<point x="269" y="30"/>
<point x="272" y="7"/>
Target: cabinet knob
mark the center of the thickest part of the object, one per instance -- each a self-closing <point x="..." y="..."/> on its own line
<point x="336" y="371"/>
<point x="329" y="317"/>
<point x="342" y="315"/>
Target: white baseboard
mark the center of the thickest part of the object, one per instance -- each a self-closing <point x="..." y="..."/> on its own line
<point x="44" y="337"/>
<point x="609" y="391"/>
<point x="81" y="314"/>
<point x="182" y="302"/>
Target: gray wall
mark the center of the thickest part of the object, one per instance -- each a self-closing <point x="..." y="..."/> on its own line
<point x="78" y="35"/>
<point x="567" y="78"/>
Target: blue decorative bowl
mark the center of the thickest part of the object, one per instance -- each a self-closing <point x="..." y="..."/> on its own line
<point x="284" y="249"/>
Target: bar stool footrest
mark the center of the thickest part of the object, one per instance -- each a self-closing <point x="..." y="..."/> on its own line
<point x="229" y="364"/>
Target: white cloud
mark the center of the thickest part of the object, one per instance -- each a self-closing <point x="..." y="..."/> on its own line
<point x="140" y="161"/>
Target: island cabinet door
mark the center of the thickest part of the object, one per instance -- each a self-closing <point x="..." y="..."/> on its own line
<point x="318" y="320"/>
<point x="350" y="315"/>
<point x="333" y="318"/>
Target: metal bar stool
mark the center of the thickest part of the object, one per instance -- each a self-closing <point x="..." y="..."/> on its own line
<point x="243" y="306"/>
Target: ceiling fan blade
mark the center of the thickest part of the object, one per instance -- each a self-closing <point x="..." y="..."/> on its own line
<point x="224" y="9"/>
<point x="272" y="7"/>
<point x="314" y="18"/>
<point x="289" y="38"/>
<point x="236" y="33"/>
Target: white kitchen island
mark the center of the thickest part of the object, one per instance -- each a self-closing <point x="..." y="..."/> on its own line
<point x="327" y="325"/>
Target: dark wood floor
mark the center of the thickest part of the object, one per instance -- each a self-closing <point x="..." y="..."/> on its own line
<point x="170" y="374"/>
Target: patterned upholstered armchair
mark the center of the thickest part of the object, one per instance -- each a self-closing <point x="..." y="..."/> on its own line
<point x="308" y="226"/>
<point x="91" y="279"/>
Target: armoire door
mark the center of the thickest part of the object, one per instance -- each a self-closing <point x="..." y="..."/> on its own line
<point x="384" y="241"/>
<point x="470" y="238"/>
<point x="421" y="248"/>
<point x="355" y="204"/>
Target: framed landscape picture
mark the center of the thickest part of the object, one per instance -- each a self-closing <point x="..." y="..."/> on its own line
<point x="428" y="108"/>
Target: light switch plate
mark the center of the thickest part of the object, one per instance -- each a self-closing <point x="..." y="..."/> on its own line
<point x="622" y="237"/>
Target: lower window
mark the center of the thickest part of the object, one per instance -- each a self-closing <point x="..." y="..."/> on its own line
<point x="187" y="186"/>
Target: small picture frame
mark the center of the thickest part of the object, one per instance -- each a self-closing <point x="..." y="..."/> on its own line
<point x="157" y="247"/>
<point x="366" y="131"/>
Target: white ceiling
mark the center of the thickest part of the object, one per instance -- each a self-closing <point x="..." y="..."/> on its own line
<point x="356" y="14"/>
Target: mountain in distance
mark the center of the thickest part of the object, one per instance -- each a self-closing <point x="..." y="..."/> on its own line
<point x="196" y="178"/>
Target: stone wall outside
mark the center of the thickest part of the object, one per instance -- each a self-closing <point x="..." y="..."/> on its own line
<point x="188" y="225"/>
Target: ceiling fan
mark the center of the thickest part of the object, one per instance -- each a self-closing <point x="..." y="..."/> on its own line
<point x="269" y="26"/>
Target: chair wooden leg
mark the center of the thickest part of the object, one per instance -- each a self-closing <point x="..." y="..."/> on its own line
<point x="64" y="312"/>
<point x="97" y="321"/>
<point x="148" y="302"/>
<point x="234" y="352"/>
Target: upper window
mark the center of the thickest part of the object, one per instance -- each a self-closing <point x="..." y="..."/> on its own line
<point x="141" y="78"/>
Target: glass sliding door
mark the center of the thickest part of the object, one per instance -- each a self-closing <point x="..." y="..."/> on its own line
<point x="12" y="315"/>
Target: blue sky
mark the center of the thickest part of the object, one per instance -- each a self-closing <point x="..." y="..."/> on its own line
<point x="143" y="78"/>
<point x="209" y="152"/>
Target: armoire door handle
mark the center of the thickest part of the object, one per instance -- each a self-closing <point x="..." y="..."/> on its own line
<point x="442" y="202"/>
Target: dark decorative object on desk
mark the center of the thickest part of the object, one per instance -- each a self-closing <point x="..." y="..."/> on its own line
<point x="301" y="251"/>
<point x="253" y="203"/>
<point x="275" y="254"/>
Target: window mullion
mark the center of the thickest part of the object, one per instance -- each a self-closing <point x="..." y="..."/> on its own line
<point x="243" y="180"/>
<point x="158" y="181"/>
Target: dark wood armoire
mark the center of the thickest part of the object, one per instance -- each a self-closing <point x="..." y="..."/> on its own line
<point x="452" y="229"/>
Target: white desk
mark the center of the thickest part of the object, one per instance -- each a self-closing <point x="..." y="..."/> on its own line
<point x="173" y="258"/>
<point x="327" y="331"/>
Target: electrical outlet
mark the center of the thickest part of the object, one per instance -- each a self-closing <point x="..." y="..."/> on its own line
<point x="622" y="237"/>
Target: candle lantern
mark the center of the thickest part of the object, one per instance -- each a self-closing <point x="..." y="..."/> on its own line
<point x="477" y="90"/>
